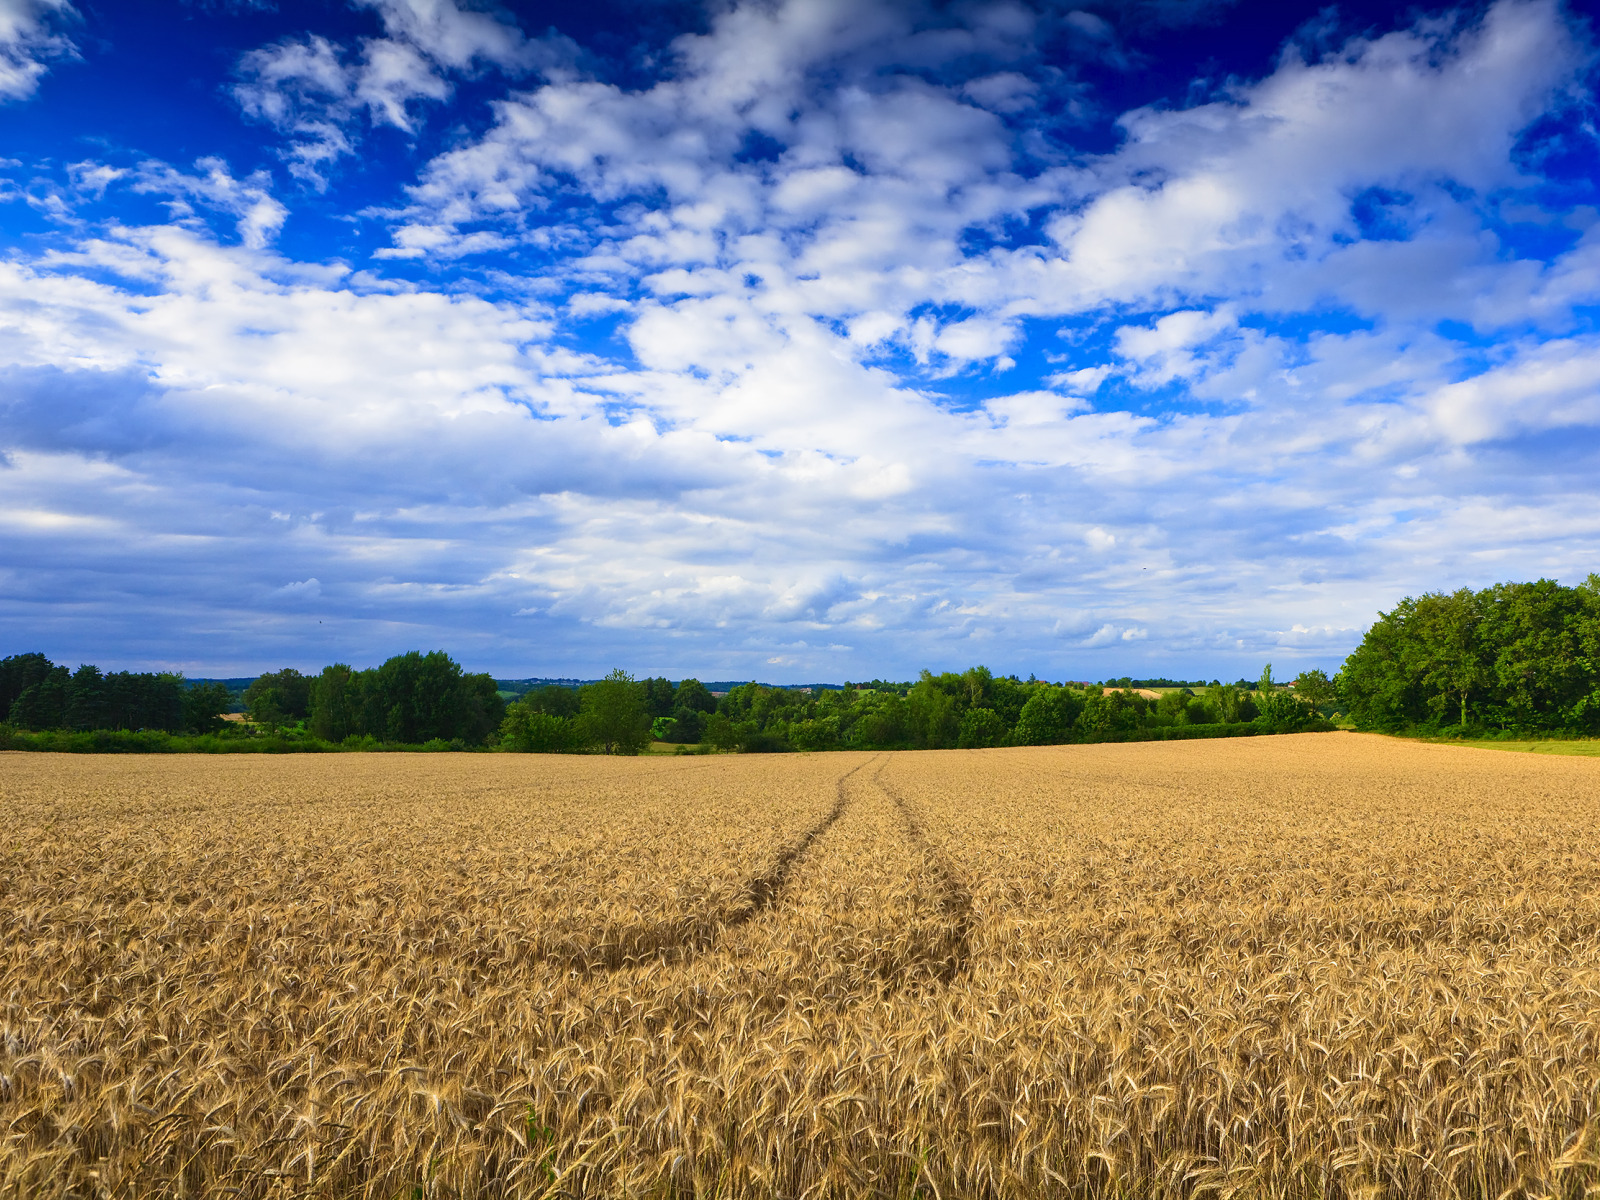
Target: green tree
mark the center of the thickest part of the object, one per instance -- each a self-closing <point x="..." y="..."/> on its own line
<point x="43" y="704"/>
<point x="1315" y="688"/>
<point x="1446" y="649"/>
<point x="719" y="733"/>
<point x="554" y="700"/>
<point x="1007" y="696"/>
<point x="1231" y="703"/>
<point x="1536" y="632"/>
<point x="933" y="709"/>
<point x="203" y="706"/>
<point x="1112" y="712"/>
<point x="1381" y="681"/>
<point x="980" y="727"/>
<point x="882" y="721"/>
<point x="658" y="697"/>
<point x="415" y="697"/>
<point x="691" y="693"/>
<point x="530" y="729"/>
<point x="267" y="711"/>
<point x="291" y="695"/>
<point x="1182" y="707"/>
<point x="1048" y="715"/>
<point x="1517" y="655"/>
<point x="18" y="673"/>
<point x="86" y="699"/>
<point x="479" y="709"/>
<point x="688" y="723"/>
<point x="336" y="703"/>
<point x="612" y="714"/>
<point x="816" y="733"/>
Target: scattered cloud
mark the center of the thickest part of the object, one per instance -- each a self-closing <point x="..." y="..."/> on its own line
<point x="815" y="347"/>
<point x="30" y="37"/>
<point x="258" y="214"/>
<point x="318" y="91"/>
<point x="305" y="589"/>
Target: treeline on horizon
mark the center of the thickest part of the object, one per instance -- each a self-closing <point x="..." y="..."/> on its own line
<point x="412" y="699"/>
<point x="1509" y="660"/>
<point x="974" y="709"/>
<point x="427" y="701"/>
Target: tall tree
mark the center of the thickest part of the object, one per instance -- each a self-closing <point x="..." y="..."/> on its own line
<point x="43" y="705"/>
<point x="612" y="714"/>
<point x="203" y="706"/>
<point x="285" y="692"/>
<point x="335" y="699"/>
<point x="18" y="673"/>
<point x="691" y="693"/>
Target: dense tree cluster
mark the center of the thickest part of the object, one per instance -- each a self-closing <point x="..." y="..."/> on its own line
<point x="37" y="694"/>
<point x="411" y="699"/>
<point x="1519" y="657"/>
<point x="973" y="709"/>
<point x="615" y="715"/>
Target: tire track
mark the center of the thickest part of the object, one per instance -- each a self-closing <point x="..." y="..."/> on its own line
<point x="949" y="957"/>
<point x="677" y="941"/>
<point x="763" y="890"/>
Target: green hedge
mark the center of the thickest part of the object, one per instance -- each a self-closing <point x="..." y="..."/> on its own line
<point x="122" y="741"/>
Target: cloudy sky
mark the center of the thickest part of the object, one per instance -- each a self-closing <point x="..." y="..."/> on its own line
<point x="787" y="339"/>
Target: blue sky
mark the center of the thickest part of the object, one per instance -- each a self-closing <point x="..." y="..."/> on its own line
<point x="798" y="340"/>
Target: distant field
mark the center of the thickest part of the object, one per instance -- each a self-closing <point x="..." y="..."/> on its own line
<point x="1311" y="965"/>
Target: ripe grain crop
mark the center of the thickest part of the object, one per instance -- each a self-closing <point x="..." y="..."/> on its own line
<point x="1318" y="965"/>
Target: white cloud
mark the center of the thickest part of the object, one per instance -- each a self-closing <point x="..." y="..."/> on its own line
<point x="28" y="40"/>
<point x="1032" y="408"/>
<point x="798" y="439"/>
<point x="92" y="178"/>
<point x="317" y="91"/>
<point x="1003" y="92"/>
<point x="595" y="304"/>
<point x="260" y="215"/>
<point x="453" y="37"/>
<point x="1546" y="386"/>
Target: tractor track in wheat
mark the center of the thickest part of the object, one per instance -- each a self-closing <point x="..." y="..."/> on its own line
<point x="955" y="897"/>
<point x="701" y="932"/>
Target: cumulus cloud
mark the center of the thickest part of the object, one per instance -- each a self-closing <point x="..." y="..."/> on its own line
<point x="826" y="234"/>
<point x="864" y="210"/>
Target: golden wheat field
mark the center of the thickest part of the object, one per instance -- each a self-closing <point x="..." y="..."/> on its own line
<point x="1307" y="966"/>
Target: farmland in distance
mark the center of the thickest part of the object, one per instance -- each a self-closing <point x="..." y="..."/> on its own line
<point x="1309" y="965"/>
